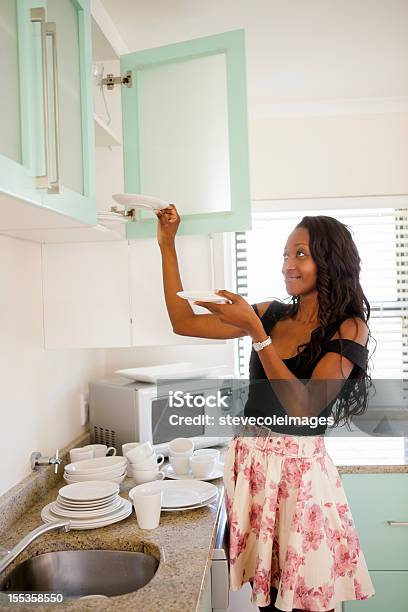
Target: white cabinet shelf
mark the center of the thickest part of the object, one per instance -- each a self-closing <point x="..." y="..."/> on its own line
<point x="104" y="135"/>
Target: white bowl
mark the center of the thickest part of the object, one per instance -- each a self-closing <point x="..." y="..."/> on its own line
<point x="116" y="471"/>
<point x="99" y="464"/>
<point x="86" y="477"/>
<point x="73" y="479"/>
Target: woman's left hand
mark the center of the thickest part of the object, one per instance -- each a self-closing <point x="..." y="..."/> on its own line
<point x="238" y="313"/>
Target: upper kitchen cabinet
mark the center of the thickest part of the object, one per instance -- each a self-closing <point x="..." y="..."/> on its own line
<point x="185" y="133"/>
<point x="47" y="147"/>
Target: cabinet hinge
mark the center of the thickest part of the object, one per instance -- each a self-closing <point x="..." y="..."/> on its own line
<point x="110" y="81"/>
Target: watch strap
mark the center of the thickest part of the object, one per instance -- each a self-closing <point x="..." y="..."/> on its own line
<point x="258" y="346"/>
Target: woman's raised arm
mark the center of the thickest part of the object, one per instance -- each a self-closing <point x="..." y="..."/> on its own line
<point x="182" y="317"/>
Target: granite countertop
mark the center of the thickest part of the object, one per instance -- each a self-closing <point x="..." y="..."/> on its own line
<point x="183" y="543"/>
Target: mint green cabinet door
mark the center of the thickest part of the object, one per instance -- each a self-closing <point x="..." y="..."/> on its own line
<point x="20" y="46"/>
<point x="70" y="116"/>
<point x="391" y="594"/>
<point x="47" y="145"/>
<point x="376" y="499"/>
<point x="186" y="134"/>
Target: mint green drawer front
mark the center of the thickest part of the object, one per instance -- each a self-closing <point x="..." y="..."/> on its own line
<point x="391" y="594"/>
<point x="375" y="499"/>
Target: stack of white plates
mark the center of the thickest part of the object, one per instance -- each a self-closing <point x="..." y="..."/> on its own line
<point x="180" y="495"/>
<point x="100" y="468"/>
<point x="88" y="505"/>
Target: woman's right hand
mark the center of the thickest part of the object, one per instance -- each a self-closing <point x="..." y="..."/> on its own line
<point x="167" y="226"/>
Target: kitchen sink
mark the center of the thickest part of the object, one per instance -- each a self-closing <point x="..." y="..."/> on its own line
<point x="79" y="573"/>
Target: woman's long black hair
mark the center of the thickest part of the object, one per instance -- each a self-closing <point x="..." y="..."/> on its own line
<point x="340" y="296"/>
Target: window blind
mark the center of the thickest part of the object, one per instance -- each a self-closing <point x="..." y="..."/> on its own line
<point x="381" y="236"/>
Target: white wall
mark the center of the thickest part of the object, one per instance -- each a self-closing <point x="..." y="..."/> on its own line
<point x="39" y="390"/>
<point x="324" y="156"/>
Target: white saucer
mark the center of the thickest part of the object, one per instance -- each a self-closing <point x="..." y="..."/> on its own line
<point x="170" y="473"/>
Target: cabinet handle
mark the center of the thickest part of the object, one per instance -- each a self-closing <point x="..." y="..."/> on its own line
<point x="398" y="523"/>
<point x="38" y="16"/>
<point x="51" y="30"/>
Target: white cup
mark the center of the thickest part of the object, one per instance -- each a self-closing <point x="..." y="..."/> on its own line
<point x="208" y="452"/>
<point x="181" y="446"/>
<point x="128" y="446"/>
<point x="79" y="454"/>
<point x="202" y="465"/>
<point x="180" y="464"/>
<point x="149" y="463"/>
<point x="140" y="452"/>
<point x="101" y="450"/>
<point x="147" y="508"/>
<point x="141" y="476"/>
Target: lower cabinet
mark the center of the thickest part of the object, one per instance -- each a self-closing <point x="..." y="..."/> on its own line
<point x="379" y="505"/>
<point x="206" y="605"/>
<point x="391" y="594"/>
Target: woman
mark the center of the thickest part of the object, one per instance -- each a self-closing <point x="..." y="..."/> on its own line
<point x="291" y="531"/>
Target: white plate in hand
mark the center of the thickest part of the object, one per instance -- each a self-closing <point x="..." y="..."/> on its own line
<point x="203" y="296"/>
<point x="171" y="371"/>
<point x="138" y="200"/>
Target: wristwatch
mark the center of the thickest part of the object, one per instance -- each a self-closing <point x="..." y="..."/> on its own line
<point x="258" y="346"/>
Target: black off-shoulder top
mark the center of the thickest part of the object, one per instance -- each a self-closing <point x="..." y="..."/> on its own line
<point x="261" y="398"/>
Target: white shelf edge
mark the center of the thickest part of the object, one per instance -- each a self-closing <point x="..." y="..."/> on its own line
<point x="104" y="136"/>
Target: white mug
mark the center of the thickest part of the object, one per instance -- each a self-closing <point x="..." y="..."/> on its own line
<point x="147" y="508"/>
<point x="142" y="451"/>
<point x="149" y="463"/>
<point x="128" y="446"/>
<point x="181" y="465"/>
<point x="208" y="452"/>
<point x="101" y="450"/>
<point x="181" y="446"/>
<point x="202" y="465"/>
<point x="79" y="454"/>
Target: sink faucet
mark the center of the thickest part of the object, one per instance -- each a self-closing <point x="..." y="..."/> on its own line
<point x="38" y="460"/>
<point x="28" y="539"/>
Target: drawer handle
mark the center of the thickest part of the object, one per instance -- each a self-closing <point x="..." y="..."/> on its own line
<point x="398" y="523"/>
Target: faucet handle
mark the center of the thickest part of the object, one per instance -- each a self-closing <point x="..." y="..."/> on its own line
<point x="57" y="461"/>
<point x="38" y="460"/>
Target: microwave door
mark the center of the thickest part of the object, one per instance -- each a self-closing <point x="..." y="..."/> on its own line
<point x="168" y="422"/>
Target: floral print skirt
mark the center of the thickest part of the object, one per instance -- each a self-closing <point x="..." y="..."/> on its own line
<point x="290" y="524"/>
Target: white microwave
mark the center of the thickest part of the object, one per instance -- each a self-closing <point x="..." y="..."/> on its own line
<point x="123" y="411"/>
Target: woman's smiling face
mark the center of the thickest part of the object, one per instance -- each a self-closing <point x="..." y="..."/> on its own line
<point x="299" y="269"/>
